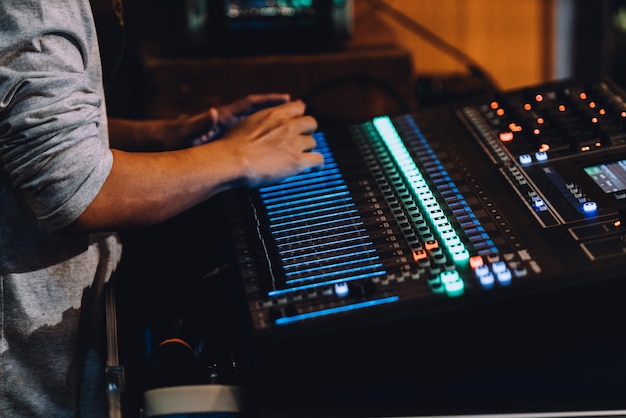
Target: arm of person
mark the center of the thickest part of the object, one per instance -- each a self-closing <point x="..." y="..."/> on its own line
<point x="146" y="188"/>
<point x="178" y="133"/>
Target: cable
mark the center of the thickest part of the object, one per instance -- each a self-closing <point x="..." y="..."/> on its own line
<point x="357" y="79"/>
<point x="474" y="68"/>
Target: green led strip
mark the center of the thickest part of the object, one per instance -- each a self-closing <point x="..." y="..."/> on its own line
<point x="448" y="236"/>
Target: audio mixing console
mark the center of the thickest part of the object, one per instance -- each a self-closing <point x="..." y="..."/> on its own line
<point x="462" y="259"/>
<point x="518" y="193"/>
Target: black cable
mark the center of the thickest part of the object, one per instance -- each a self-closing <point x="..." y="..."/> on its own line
<point x="357" y="79"/>
<point x="415" y="27"/>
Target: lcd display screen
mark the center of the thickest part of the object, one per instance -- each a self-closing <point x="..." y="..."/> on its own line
<point x="610" y="177"/>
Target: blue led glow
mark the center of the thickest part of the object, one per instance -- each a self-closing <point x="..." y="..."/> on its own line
<point x="314" y="246"/>
<point x="280" y="292"/>
<point x="278" y="212"/>
<point x="504" y="277"/>
<point x="338" y="210"/>
<point x="307" y="200"/>
<point x="334" y="244"/>
<point x="487" y="281"/>
<point x="525" y="159"/>
<point x="307" y="175"/>
<point x="331" y="266"/>
<point x="308" y="225"/>
<point x="342" y="289"/>
<point x="300" y="186"/>
<point x="329" y="274"/>
<point x="590" y="207"/>
<point x="335" y="310"/>
<point x="304" y="184"/>
<point x="330" y="231"/>
<point x="303" y="193"/>
<point x="335" y="257"/>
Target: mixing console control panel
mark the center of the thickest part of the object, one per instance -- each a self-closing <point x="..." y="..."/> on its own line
<point x="518" y="192"/>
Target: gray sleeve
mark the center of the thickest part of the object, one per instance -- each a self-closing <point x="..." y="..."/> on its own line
<point x="53" y="144"/>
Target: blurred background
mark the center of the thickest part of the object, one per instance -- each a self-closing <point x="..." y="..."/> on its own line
<point x="350" y="59"/>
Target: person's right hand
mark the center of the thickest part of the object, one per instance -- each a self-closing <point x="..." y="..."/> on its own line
<point x="275" y="143"/>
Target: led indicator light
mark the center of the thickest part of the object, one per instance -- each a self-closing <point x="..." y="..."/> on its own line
<point x="525" y="159"/>
<point x="590" y="207"/>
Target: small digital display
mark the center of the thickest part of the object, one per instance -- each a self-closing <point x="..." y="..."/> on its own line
<point x="267" y="8"/>
<point x="610" y="177"/>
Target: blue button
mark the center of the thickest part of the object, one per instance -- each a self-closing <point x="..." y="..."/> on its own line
<point x="525" y="159"/>
<point x="590" y="207"/>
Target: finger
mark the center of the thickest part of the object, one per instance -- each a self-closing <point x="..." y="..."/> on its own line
<point x="288" y="110"/>
<point x="308" y="143"/>
<point x="305" y="125"/>
<point x="260" y="99"/>
<point x="313" y="160"/>
<point x="255" y="102"/>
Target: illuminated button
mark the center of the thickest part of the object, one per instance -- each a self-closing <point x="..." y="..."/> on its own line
<point x="459" y="252"/>
<point x="504" y="277"/>
<point x="447" y="234"/>
<point x="476" y="261"/>
<point x="453" y="241"/>
<point x="452" y="282"/>
<point x="506" y="136"/>
<point x="541" y="156"/>
<point x="525" y="159"/>
<point x="482" y="270"/>
<point x="431" y="244"/>
<point x="436" y="285"/>
<point x="590" y="207"/>
<point x="485" y="276"/>
<point x="499" y="267"/>
<point x="341" y="289"/>
<point x="419" y="255"/>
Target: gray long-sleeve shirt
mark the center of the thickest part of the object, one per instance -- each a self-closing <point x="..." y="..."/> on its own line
<point x="54" y="158"/>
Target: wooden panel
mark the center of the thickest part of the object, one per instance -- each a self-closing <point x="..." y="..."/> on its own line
<point x="347" y="86"/>
<point x="510" y="39"/>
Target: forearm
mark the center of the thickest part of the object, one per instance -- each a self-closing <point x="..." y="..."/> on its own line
<point x="135" y="135"/>
<point x="146" y="188"/>
<point x="157" y="134"/>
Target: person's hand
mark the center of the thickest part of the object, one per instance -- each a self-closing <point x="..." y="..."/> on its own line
<point x="274" y="143"/>
<point x="225" y="116"/>
<point x="228" y="115"/>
